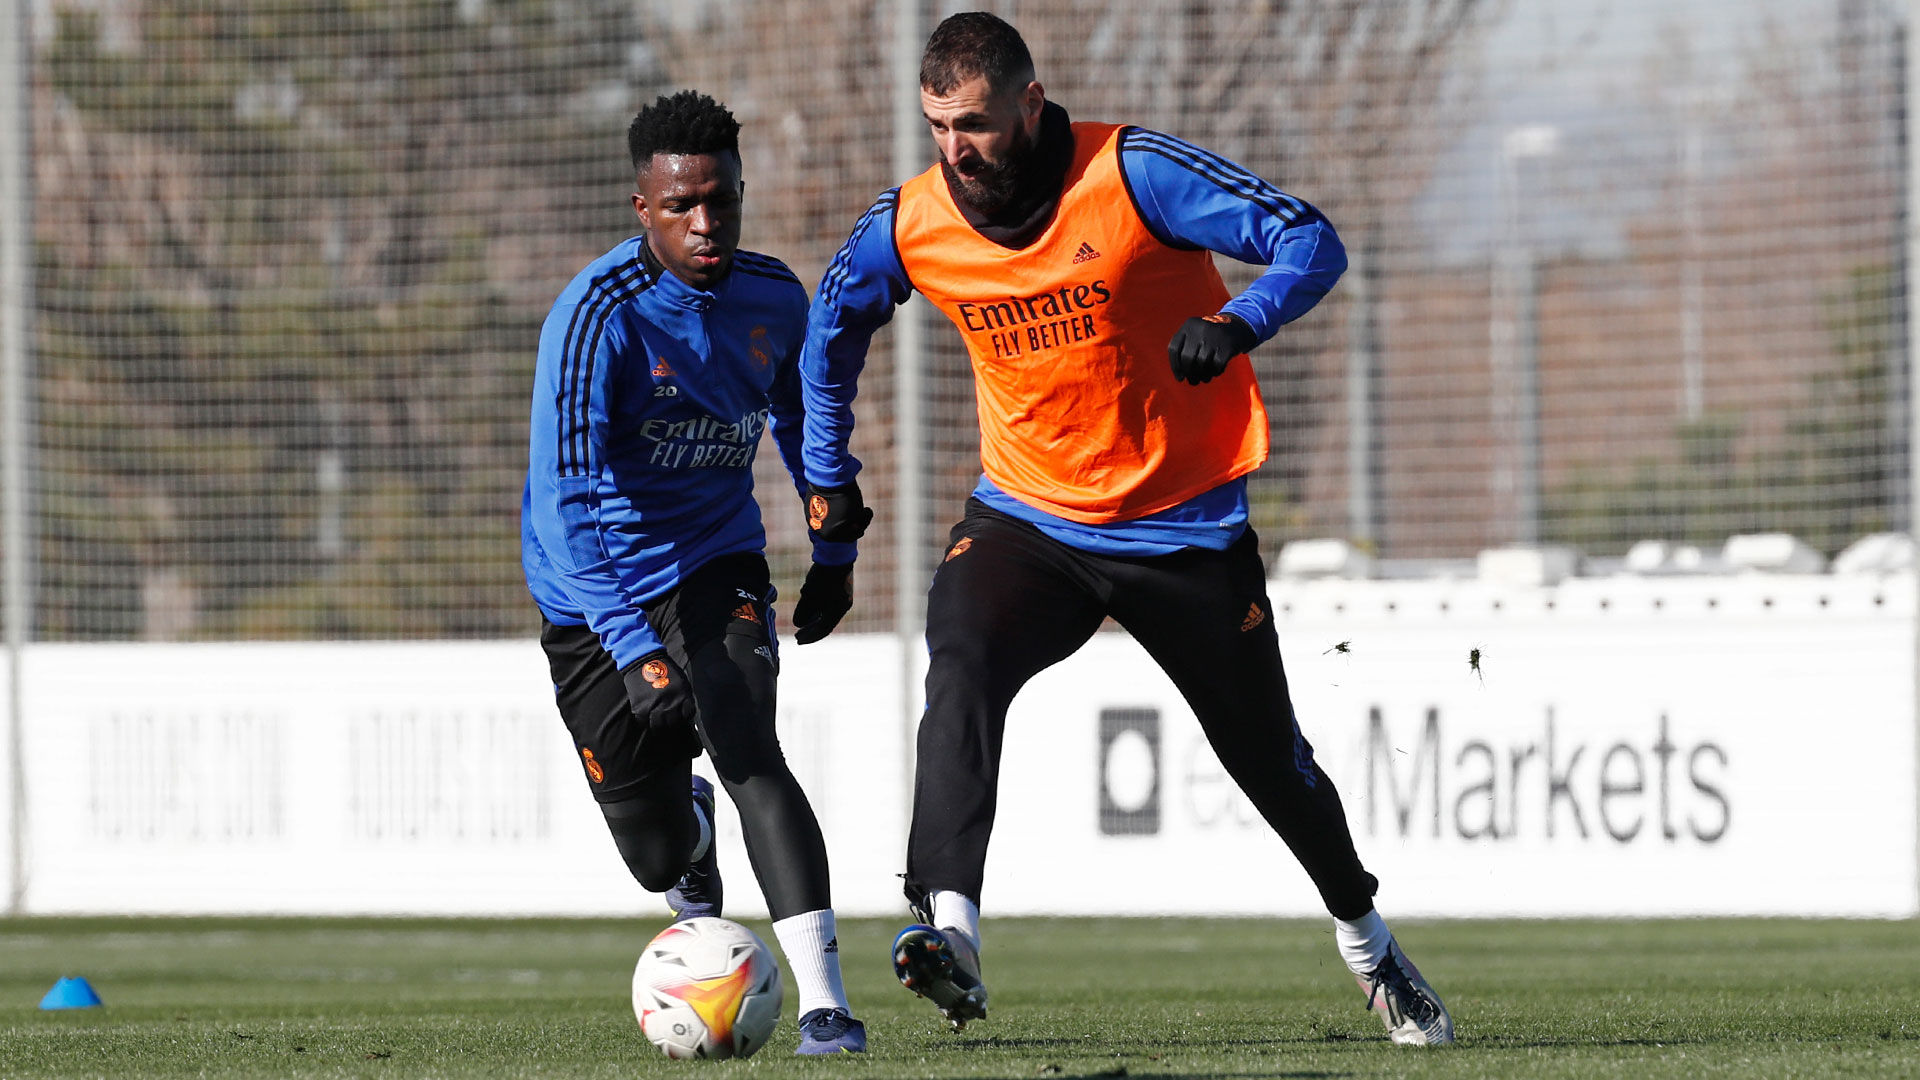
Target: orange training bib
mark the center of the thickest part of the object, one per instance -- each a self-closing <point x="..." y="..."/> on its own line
<point x="1080" y="415"/>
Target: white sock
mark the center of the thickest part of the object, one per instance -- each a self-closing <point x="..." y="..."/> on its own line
<point x="955" y="910"/>
<point x="813" y="952"/>
<point x="706" y="834"/>
<point x="1363" y="942"/>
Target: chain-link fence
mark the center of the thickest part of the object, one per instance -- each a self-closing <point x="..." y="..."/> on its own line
<point x="1620" y="271"/>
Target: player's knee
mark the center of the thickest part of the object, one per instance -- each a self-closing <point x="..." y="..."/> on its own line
<point x="969" y="683"/>
<point x="743" y="758"/>
<point x="654" y="846"/>
<point x="964" y="660"/>
<point x="649" y="866"/>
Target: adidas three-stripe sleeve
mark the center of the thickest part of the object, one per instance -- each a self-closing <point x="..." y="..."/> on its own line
<point x="857" y="295"/>
<point x="578" y="345"/>
<point x="1190" y="197"/>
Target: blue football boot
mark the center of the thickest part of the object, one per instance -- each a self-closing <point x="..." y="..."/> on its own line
<point x="831" y="1031"/>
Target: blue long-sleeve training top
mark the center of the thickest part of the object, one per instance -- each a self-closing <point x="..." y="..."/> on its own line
<point x="650" y="397"/>
<point x="1188" y="197"/>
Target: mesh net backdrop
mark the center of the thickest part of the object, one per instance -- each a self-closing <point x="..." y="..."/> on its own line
<point x="1619" y="271"/>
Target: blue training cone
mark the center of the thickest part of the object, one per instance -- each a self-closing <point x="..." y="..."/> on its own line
<point x="71" y="993"/>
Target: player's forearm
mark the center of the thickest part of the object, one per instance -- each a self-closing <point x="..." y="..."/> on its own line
<point x="1192" y="197"/>
<point x="622" y="626"/>
<point x="576" y="557"/>
<point x="787" y="417"/>
<point x="789" y="421"/>
<point x="829" y="382"/>
<point x="1307" y="262"/>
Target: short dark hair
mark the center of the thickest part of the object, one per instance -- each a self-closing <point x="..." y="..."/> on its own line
<point x="973" y="44"/>
<point x="688" y="122"/>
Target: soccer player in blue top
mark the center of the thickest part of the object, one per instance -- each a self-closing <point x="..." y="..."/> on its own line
<point x="660" y="366"/>
<point x="1119" y="419"/>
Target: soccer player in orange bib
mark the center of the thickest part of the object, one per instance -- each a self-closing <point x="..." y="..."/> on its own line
<point x="1119" y="419"/>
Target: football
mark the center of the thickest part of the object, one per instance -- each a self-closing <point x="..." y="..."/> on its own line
<point x="707" y="988"/>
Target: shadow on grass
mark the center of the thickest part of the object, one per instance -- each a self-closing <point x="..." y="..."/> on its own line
<point x="1515" y="1042"/>
<point x="1104" y="1046"/>
<point x="1082" y="1047"/>
<point x="1111" y="1074"/>
<point x="978" y="1043"/>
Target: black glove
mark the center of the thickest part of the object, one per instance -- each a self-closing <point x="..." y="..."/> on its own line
<point x="659" y="695"/>
<point x="825" y="597"/>
<point x="1201" y="348"/>
<point x="837" y="514"/>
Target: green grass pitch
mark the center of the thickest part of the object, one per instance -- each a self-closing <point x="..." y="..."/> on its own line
<point x="1071" y="998"/>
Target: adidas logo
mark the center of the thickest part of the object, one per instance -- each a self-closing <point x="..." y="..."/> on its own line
<point x="833" y="946"/>
<point x="1254" y="618"/>
<point x="661" y="369"/>
<point x="1085" y="253"/>
<point x="745" y="611"/>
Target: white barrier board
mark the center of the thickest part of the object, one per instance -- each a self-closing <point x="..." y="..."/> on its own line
<point x="1754" y="756"/>
<point x="8" y="839"/>
<point x="1621" y="748"/>
<point x="431" y="779"/>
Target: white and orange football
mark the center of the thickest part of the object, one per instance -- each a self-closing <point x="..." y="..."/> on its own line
<point x="707" y="988"/>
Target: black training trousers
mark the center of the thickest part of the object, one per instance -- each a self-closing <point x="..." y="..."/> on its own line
<point x="1009" y="602"/>
<point x="717" y="625"/>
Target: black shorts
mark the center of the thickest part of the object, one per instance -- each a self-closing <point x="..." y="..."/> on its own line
<point x="732" y="594"/>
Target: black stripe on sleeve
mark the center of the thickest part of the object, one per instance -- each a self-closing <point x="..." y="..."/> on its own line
<point x="1227" y="168"/>
<point x="1126" y="182"/>
<point x="603" y="297"/>
<point x="766" y="266"/>
<point x="1220" y="172"/>
<point x="842" y="266"/>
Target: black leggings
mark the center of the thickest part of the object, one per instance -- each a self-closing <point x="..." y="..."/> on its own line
<point x="1012" y="602"/>
<point x="643" y="777"/>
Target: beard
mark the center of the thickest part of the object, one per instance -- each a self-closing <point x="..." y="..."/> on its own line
<point x="994" y="186"/>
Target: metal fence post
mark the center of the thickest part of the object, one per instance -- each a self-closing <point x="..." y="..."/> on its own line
<point x="1910" y="210"/>
<point x="909" y="155"/>
<point x="16" y="225"/>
